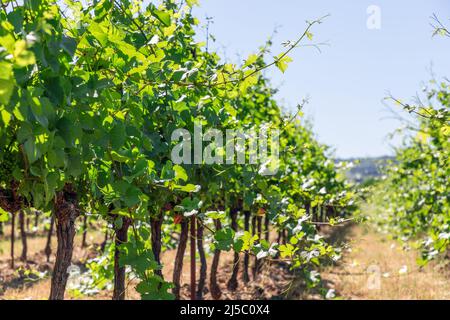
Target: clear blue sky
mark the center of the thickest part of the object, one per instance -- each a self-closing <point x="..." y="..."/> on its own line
<point x="348" y="80"/>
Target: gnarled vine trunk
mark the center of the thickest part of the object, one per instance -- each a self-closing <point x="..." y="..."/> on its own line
<point x="279" y="237"/>
<point x="233" y="283"/>
<point x="66" y="212"/>
<point x="330" y="211"/>
<point x="119" y="271"/>
<point x="245" y="275"/>
<point x="193" y="269"/>
<point x="216" y="293"/>
<point x="254" y="232"/>
<point x="23" y="235"/>
<point x="48" y="245"/>
<point x="13" y="236"/>
<point x="203" y="265"/>
<point x="155" y="225"/>
<point x="10" y="201"/>
<point x="308" y="208"/>
<point x="85" y="227"/>
<point x="105" y="241"/>
<point x="36" y="221"/>
<point x="179" y="258"/>
<point x="257" y="265"/>
<point x="266" y="231"/>
<point x="267" y="228"/>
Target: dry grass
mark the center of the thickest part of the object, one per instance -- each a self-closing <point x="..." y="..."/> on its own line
<point x="377" y="268"/>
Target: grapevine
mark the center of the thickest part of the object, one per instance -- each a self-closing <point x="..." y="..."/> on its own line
<point x="90" y="96"/>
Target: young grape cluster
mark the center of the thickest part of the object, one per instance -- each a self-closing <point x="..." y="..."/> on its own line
<point x="7" y="163"/>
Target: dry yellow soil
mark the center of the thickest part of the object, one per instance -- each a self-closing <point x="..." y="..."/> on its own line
<point x="372" y="267"/>
<point x="375" y="267"/>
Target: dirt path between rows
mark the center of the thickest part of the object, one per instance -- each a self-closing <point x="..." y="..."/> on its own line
<point x="375" y="267"/>
<point x="372" y="267"/>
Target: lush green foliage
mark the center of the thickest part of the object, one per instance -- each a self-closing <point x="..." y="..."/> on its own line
<point x="89" y="98"/>
<point x="415" y="195"/>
